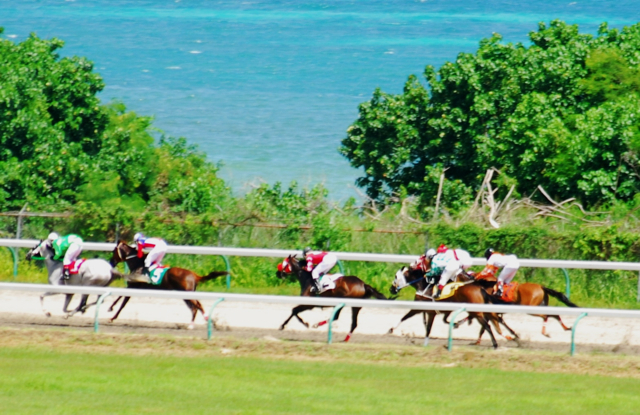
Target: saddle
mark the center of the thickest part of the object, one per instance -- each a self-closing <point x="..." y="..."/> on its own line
<point x="74" y="267"/>
<point x="156" y="273"/>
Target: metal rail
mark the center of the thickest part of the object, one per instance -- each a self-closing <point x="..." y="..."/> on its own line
<point x="321" y="301"/>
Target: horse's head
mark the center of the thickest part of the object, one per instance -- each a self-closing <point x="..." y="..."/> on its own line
<point x="37" y="251"/>
<point x="289" y="265"/>
<point x="400" y="280"/>
<point x="120" y="253"/>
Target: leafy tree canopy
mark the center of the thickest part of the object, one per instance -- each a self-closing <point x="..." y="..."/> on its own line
<point x="60" y="146"/>
<point x="561" y="112"/>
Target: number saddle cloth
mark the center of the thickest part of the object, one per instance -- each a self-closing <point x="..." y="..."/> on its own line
<point x="328" y="281"/>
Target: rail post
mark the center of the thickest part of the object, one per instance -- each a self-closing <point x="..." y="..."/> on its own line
<point x="451" y="323"/>
<point x="14" y="255"/>
<point x="228" y="265"/>
<point x="96" y="322"/>
<point x="573" y="332"/>
<point x="210" y="319"/>
<point x="567" y="286"/>
<point x="333" y="316"/>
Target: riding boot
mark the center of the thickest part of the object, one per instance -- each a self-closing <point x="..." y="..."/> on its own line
<point x="145" y="271"/>
<point x="499" y="290"/>
<point x="66" y="274"/>
<point x="438" y="292"/>
<point x="315" y="287"/>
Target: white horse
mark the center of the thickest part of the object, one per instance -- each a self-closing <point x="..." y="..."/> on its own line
<point x="93" y="272"/>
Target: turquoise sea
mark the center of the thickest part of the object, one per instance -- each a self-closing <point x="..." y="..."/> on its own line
<point x="269" y="87"/>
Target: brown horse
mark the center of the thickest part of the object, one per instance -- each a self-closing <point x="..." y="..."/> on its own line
<point x="529" y="293"/>
<point x="346" y="287"/>
<point x="469" y="293"/>
<point x="178" y="279"/>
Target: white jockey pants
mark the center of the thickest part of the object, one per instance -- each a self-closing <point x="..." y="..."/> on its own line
<point x="72" y="254"/>
<point x="507" y="274"/>
<point x="329" y="261"/>
<point x="156" y="254"/>
<point x="454" y="266"/>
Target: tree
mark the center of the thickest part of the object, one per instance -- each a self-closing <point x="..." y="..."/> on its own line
<point x="545" y="114"/>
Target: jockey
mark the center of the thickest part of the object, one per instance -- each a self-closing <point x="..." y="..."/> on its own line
<point x="508" y="263"/>
<point x="424" y="261"/>
<point x="318" y="263"/>
<point x="447" y="263"/>
<point x="67" y="248"/>
<point x="158" y="250"/>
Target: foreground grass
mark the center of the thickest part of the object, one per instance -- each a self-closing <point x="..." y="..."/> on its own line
<point x="62" y="372"/>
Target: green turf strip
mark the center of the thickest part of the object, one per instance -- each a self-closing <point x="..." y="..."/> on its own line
<point x="38" y="381"/>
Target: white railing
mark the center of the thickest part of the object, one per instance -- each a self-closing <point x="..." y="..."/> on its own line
<point x="103" y="292"/>
<point x="345" y="256"/>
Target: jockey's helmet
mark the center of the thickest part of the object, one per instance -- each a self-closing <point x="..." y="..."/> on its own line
<point x="430" y="253"/>
<point x="488" y="253"/>
<point x="138" y="236"/>
<point x="442" y="249"/>
<point x="52" y="237"/>
<point x="305" y="251"/>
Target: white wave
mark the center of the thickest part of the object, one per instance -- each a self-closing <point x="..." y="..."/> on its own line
<point x="12" y="36"/>
<point x="195" y="52"/>
<point x="173" y="67"/>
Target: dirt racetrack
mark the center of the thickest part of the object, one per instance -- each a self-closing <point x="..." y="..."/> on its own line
<point x="252" y="320"/>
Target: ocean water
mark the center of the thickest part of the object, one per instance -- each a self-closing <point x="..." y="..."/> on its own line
<point x="268" y="88"/>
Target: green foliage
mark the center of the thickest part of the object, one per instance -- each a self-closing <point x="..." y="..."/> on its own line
<point x="561" y="113"/>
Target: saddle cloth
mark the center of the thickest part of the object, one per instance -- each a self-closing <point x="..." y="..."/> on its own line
<point x="156" y="273"/>
<point x="509" y="292"/>
<point x="328" y="281"/>
<point x="74" y="267"/>
<point x="450" y="289"/>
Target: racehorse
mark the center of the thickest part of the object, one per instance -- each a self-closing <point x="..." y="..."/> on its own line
<point x="469" y="293"/>
<point x="346" y="287"/>
<point x="529" y="293"/>
<point x="178" y="279"/>
<point x="93" y="272"/>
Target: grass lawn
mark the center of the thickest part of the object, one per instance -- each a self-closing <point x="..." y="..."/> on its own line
<point x="41" y="379"/>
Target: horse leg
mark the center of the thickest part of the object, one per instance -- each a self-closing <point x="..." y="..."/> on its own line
<point x="81" y="307"/>
<point x="432" y="316"/>
<point x="481" y="319"/>
<point x="410" y="314"/>
<point x="354" y="321"/>
<point x="124" y="303"/>
<point x="46" y="313"/>
<point x="294" y="313"/>
<point x="67" y="300"/>
<point x="114" y="304"/>
<point x="544" y="324"/>
<point x="515" y="335"/>
<point x="561" y="323"/>
<point x="323" y="322"/>
<point x="194" y="312"/>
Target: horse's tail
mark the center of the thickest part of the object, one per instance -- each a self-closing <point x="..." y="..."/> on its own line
<point x="558" y="295"/>
<point x="372" y="292"/>
<point x="212" y="275"/>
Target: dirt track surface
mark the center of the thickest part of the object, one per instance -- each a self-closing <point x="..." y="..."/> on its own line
<point x="255" y="321"/>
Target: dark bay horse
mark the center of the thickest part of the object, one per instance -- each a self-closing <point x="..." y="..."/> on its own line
<point x="469" y="293"/>
<point x="529" y="293"/>
<point x="346" y="287"/>
<point x="178" y="279"/>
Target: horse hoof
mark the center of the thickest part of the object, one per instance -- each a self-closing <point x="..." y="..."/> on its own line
<point x="206" y="317"/>
<point x="546" y="335"/>
<point x="190" y="327"/>
<point x="346" y="339"/>
<point x="390" y="331"/>
<point x="509" y="338"/>
<point x="281" y="328"/>
<point x="48" y="314"/>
